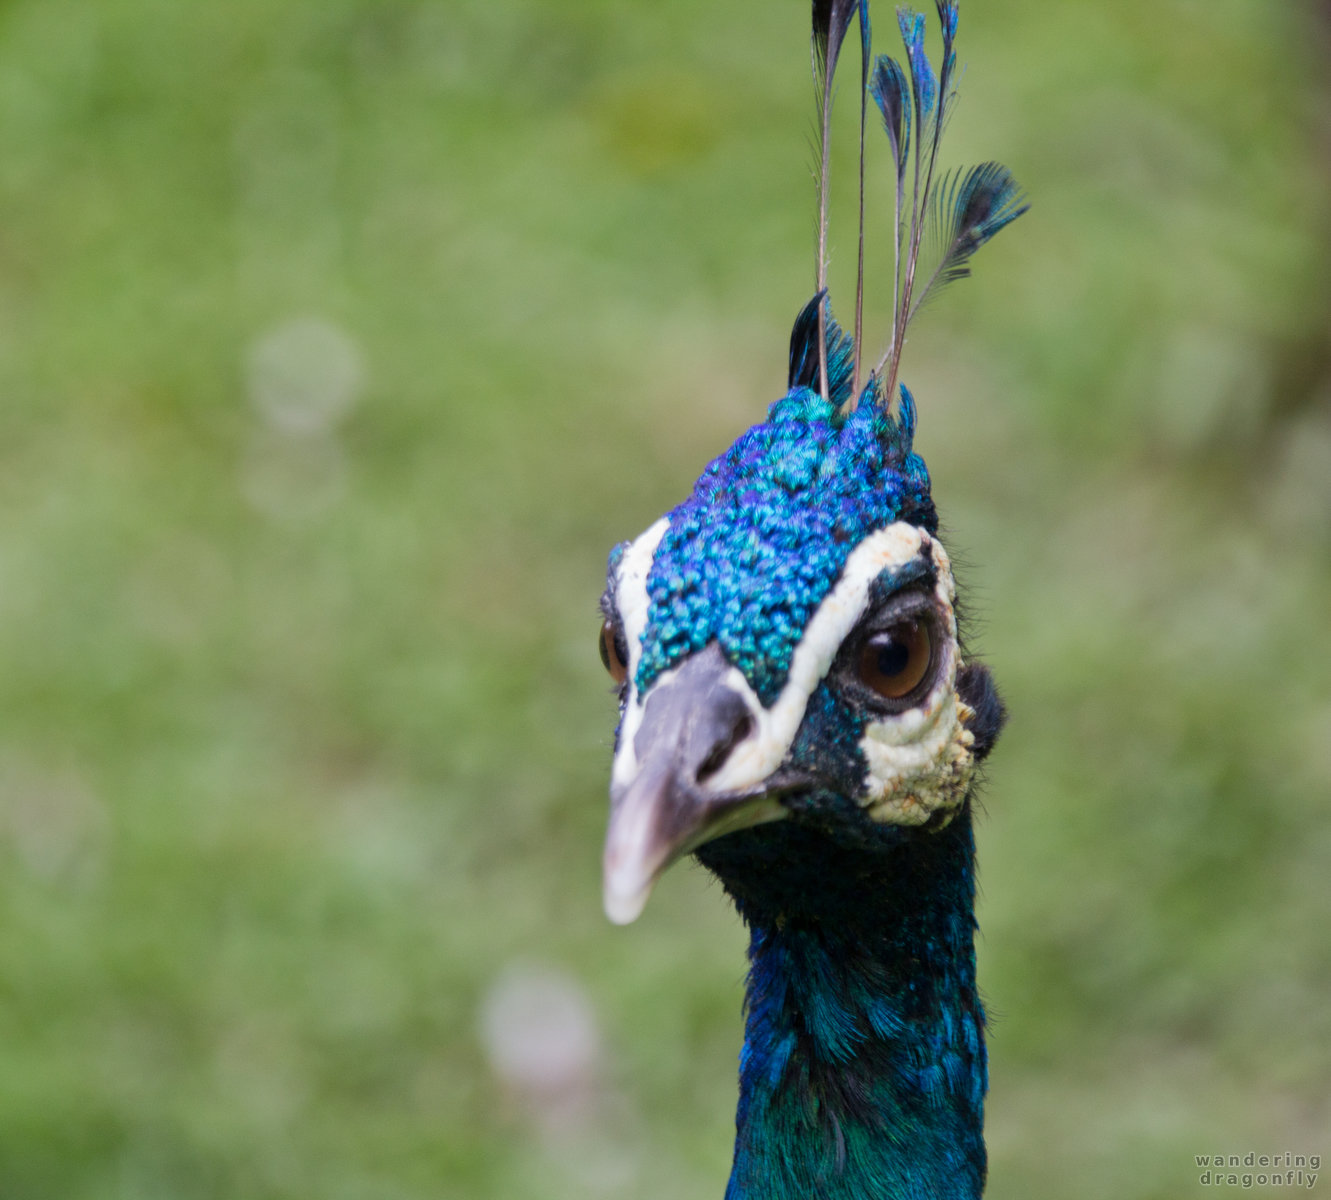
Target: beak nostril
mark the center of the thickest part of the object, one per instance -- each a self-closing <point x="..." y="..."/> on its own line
<point x="716" y="758"/>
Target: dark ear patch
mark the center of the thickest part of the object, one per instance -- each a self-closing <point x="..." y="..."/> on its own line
<point x="975" y="685"/>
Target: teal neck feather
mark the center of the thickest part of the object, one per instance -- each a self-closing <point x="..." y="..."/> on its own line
<point x="863" y="1071"/>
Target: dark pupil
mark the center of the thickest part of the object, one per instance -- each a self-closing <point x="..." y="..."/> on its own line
<point x="892" y="657"/>
<point x="618" y="656"/>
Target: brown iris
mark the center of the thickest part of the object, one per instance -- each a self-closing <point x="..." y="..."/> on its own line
<point x="894" y="661"/>
<point x="614" y="653"/>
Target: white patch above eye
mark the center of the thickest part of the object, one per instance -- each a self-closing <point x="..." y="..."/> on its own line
<point x="632" y="602"/>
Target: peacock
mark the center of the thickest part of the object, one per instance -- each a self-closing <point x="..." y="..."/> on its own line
<point x="798" y="707"/>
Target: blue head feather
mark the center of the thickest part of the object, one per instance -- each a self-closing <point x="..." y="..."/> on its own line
<point x="923" y="79"/>
<point x="947" y="17"/>
<point x="804" y="352"/>
<point x="891" y="93"/>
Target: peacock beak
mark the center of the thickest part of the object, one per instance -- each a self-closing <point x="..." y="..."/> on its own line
<point x="691" y="723"/>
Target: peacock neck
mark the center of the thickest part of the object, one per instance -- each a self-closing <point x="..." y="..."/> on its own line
<point x="863" y="1071"/>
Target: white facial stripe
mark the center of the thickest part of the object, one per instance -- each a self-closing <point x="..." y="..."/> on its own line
<point x="759" y="755"/>
<point x="632" y="602"/>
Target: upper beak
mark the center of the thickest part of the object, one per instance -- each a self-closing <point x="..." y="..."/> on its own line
<point x="691" y="724"/>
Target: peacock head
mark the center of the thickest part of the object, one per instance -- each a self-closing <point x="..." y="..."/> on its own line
<point x="785" y="642"/>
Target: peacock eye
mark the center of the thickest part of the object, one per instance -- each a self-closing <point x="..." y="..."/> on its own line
<point x="895" y="661"/>
<point x="614" y="651"/>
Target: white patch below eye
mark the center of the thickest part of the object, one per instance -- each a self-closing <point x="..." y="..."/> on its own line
<point x="920" y="760"/>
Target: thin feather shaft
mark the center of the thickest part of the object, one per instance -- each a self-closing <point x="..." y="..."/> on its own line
<point x="947" y="18"/>
<point x="897" y="263"/>
<point x="923" y="90"/>
<point x="912" y="255"/>
<point x="909" y="23"/>
<point x="823" y="191"/>
<point x="831" y="19"/>
<point x="891" y="92"/>
<point x="933" y="153"/>
<point x="865" y="39"/>
<point x="891" y="351"/>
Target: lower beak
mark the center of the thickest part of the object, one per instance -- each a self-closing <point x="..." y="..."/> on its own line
<point x="690" y="726"/>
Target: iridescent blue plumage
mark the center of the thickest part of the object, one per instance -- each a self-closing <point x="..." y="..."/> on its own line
<point x="891" y="92"/>
<point x="751" y="553"/>
<point x="968" y="209"/>
<point x="923" y="81"/>
<point x="797" y="707"/>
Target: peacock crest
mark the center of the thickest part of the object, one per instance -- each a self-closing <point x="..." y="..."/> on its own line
<point x="939" y="220"/>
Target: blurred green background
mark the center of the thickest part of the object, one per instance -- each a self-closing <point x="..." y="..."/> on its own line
<point x="339" y="339"/>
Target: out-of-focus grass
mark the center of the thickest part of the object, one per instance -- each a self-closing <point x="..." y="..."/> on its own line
<point x="339" y="340"/>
